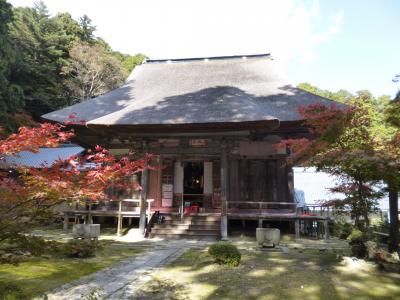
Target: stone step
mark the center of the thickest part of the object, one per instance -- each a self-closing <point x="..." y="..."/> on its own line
<point x="185" y="231"/>
<point x="188" y="226"/>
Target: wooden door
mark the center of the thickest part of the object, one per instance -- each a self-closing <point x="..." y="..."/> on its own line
<point x="259" y="180"/>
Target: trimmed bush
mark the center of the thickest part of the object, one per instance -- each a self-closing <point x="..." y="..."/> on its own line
<point x="225" y="253"/>
<point x="356" y="241"/>
<point x="356" y="236"/>
<point x="80" y="248"/>
<point x="23" y="246"/>
<point x="345" y="230"/>
<point x="341" y="229"/>
<point x="37" y="245"/>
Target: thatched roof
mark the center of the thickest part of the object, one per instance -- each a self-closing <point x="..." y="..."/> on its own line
<point x="196" y="91"/>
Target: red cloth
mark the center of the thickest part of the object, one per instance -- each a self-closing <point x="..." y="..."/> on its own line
<point x="194" y="209"/>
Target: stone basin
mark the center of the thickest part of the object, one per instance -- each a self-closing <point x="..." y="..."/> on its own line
<point x="86" y="231"/>
<point x="268" y="237"/>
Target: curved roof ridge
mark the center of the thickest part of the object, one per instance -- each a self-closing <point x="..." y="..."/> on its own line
<point x="208" y="58"/>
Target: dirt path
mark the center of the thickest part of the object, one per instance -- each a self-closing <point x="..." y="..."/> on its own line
<point x="122" y="280"/>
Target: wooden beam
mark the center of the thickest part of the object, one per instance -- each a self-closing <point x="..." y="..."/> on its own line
<point x="178" y="151"/>
<point x="131" y="136"/>
<point x="272" y="124"/>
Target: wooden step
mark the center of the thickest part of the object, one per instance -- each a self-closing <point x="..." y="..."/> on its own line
<point x="191" y="222"/>
<point x="186" y="236"/>
<point x="185" y="231"/>
<point x="188" y="226"/>
<point x="192" y="217"/>
<point x="196" y="226"/>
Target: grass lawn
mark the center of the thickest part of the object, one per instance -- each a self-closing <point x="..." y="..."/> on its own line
<point x="37" y="275"/>
<point x="299" y="274"/>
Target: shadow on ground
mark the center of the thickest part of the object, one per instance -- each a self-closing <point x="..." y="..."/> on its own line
<point x="302" y="273"/>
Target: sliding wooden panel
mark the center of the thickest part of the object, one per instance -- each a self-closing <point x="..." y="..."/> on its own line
<point x="154" y="187"/>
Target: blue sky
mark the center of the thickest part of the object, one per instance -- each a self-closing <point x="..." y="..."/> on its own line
<point x="365" y="54"/>
<point x="335" y="45"/>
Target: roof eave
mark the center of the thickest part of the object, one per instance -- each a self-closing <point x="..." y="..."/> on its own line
<point x="270" y="124"/>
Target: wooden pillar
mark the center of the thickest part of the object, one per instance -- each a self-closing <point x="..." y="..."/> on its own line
<point x="119" y="222"/>
<point x="394" y="217"/>
<point x="326" y="230"/>
<point x="160" y="174"/>
<point x="290" y="178"/>
<point x="297" y="229"/>
<point x="89" y="215"/>
<point x="66" y="220"/>
<point x="224" y="194"/>
<point x="143" y="198"/>
<point x="243" y="224"/>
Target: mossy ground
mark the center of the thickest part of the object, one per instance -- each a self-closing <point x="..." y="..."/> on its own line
<point x="299" y="274"/>
<point x="35" y="276"/>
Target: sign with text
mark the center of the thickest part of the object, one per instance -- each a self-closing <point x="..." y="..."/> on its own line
<point x="167" y="195"/>
<point x="198" y="142"/>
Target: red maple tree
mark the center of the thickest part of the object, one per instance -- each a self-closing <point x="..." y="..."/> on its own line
<point x="28" y="197"/>
<point x="358" y="144"/>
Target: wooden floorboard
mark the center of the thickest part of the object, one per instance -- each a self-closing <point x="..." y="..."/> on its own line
<point x="232" y="214"/>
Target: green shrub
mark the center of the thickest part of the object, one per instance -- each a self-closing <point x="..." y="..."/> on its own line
<point x="356" y="236"/>
<point x="37" y="245"/>
<point x="356" y="241"/>
<point x="380" y="225"/>
<point x="22" y="246"/>
<point x="80" y="248"/>
<point x="225" y="253"/>
<point x="11" y="291"/>
<point x="342" y="229"/>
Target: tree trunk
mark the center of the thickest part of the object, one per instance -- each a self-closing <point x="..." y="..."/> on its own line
<point x="366" y="214"/>
<point x="363" y="204"/>
<point x="394" y="218"/>
<point x="366" y="218"/>
<point x="357" y="221"/>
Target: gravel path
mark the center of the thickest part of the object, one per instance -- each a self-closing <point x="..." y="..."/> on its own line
<point x="123" y="280"/>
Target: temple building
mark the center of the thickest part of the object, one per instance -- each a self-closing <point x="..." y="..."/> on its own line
<point x="212" y="124"/>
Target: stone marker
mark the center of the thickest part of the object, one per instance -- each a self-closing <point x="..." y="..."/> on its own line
<point x="86" y="231"/>
<point x="268" y="237"/>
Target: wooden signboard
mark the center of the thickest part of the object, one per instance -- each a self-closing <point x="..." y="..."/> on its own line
<point x="167" y="195"/>
<point x="198" y="143"/>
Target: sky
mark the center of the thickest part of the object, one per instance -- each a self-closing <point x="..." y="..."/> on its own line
<point x="341" y="44"/>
